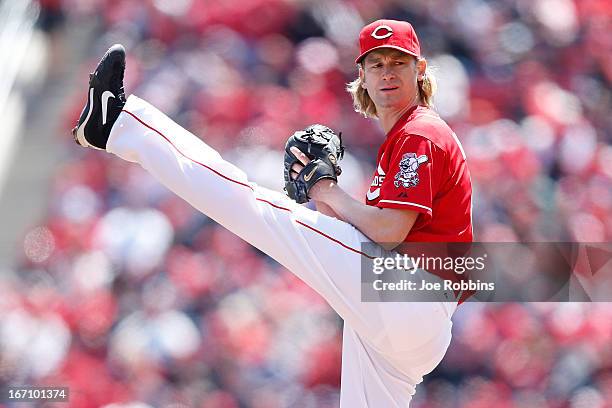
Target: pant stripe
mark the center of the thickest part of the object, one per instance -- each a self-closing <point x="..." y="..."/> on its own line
<point x="183" y="154"/>
<point x="335" y="240"/>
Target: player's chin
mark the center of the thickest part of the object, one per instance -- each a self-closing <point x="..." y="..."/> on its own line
<point x="387" y="100"/>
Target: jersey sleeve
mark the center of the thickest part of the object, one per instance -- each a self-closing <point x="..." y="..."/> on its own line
<point x="409" y="183"/>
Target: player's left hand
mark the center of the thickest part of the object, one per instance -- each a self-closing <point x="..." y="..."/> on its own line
<point x="311" y="155"/>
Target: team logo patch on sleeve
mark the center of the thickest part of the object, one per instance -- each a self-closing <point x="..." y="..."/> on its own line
<point x="407" y="175"/>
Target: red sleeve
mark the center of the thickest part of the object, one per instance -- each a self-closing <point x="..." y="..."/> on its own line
<point x="409" y="181"/>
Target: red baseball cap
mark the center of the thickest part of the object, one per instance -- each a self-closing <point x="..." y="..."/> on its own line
<point x="399" y="35"/>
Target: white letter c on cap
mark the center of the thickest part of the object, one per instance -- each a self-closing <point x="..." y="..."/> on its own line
<point x="389" y="32"/>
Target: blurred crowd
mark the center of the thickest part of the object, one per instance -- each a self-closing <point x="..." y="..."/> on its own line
<point x="130" y="297"/>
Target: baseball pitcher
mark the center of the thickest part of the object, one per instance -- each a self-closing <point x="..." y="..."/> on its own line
<point x="420" y="192"/>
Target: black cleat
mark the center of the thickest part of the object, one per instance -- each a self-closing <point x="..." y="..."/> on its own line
<point x="105" y="100"/>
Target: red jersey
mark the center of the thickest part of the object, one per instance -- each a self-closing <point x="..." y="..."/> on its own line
<point x="421" y="166"/>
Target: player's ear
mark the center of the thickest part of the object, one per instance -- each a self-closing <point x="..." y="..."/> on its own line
<point x="421" y="67"/>
<point x="362" y="78"/>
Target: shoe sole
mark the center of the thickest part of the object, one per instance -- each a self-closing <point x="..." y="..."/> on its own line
<point x="80" y="131"/>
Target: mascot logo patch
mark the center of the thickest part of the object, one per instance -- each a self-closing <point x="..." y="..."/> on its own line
<point x="407" y="175"/>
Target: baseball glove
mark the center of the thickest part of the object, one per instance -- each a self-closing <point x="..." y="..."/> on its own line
<point x="324" y="149"/>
